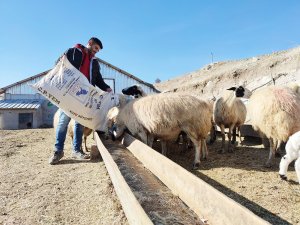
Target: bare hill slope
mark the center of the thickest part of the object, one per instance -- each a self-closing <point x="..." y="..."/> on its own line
<point x="279" y="67"/>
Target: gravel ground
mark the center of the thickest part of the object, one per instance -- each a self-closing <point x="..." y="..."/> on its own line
<point x="243" y="177"/>
<point x="80" y="192"/>
<point x="34" y="192"/>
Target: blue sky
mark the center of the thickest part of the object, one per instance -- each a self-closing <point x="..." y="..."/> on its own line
<point x="149" y="39"/>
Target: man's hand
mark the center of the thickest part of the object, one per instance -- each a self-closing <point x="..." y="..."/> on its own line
<point x="108" y="90"/>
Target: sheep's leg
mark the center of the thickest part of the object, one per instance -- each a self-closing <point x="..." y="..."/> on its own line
<point x="297" y="168"/>
<point x="197" y="145"/>
<point x="183" y="138"/>
<point x="144" y="137"/>
<point x="272" y="152"/>
<point x="212" y="134"/>
<point x="164" y="147"/>
<point x="239" y="132"/>
<point x="277" y="149"/>
<point x="86" y="148"/>
<point x="230" y="145"/>
<point x="233" y="135"/>
<point x="284" y="164"/>
<point x="204" y="149"/>
<point x="150" y="139"/>
<point x="185" y="141"/>
<point x="222" y="150"/>
<point x="189" y="143"/>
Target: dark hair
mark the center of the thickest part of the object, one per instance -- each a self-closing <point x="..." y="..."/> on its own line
<point x="97" y="41"/>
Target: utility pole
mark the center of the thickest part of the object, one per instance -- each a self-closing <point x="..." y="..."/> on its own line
<point x="212" y="57"/>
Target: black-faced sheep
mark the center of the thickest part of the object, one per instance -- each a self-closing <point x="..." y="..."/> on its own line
<point x="230" y="112"/>
<point x="275" y="112"/>
<point x="164" y="116"/>
<point x="292" y="153"/>
<point x="136" y="91"/>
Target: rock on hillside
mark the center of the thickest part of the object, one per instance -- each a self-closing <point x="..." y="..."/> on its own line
<point x="280" y="67"/>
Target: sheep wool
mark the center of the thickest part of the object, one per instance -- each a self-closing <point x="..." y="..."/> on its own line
<point x="164" y="116"/>
<point x="292" y="153"/>
<point x="229" y="112"/>
<point x="275" y="112"/>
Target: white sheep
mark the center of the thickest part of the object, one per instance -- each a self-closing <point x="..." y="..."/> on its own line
<point x="292" y="153"/>
<point x="164" y="116"/>
<point x="111" y="115"/>
<point x="275" y="112"/>
<point x="294" y="86"/>
<point x="138" y="92"/>
<point x="70" y="132"/>
<point x="230" y="112"/>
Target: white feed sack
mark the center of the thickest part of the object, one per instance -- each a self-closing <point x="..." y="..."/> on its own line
<point x="68" y="88"/>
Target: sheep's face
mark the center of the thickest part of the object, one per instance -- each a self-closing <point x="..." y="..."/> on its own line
<point x="240" y="92"/>
<point x="283" y="167"/>
<point x="133" y="90"/>
<point x="118" y="130"/>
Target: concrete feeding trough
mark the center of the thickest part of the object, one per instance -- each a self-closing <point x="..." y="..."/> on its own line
<point x="209" y="204"/>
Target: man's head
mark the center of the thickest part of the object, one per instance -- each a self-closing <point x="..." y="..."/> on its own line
<point x="94" y="45"/>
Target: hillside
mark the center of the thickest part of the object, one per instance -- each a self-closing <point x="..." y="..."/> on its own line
<point x="282" y="67"/>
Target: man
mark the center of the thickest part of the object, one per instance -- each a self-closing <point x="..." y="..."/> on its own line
<point x="83" y="59"/>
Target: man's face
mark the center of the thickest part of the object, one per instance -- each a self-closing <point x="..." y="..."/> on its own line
<point x="93" y="48"/>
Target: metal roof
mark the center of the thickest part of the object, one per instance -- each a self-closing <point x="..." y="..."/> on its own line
<point x="3" y="89"/>
<point x="21" y="103"/>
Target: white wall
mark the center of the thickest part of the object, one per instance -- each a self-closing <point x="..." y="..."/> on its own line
<point x="48" y="112"/>
<point x="9" y="119"/>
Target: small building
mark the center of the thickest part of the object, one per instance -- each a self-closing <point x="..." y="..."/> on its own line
<point x="21" y="113"/>
<point x="21" y="107"/>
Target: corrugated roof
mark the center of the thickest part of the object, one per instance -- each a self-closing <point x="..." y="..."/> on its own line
<point x="3" y="89"/>
<point x="20" y="103"/>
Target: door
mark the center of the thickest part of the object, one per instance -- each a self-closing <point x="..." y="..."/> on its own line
<point x="25" y="120"/>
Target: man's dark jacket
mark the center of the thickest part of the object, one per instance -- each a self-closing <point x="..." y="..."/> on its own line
<point x="75" y="56"/>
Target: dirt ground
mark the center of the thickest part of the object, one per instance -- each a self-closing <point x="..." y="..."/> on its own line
<point x="80" y="192"/>
<point x="243" y="177"/>
<point x="34" y="192"/>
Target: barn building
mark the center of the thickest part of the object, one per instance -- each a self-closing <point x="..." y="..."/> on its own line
<point x="21" y="107"/>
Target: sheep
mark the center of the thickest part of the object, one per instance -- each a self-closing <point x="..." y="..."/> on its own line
<point x="164" y="116"/>
<point x="294" y="86"/>
<point x="213" y="131"/>
<point x="230" y="112"/>
<point x="138" y="92"/>
<point x="292" y="153"/>
<point x="275" y="112"/>
<point x="135" y="90"/>
<point x="86" y="131"/>
<point x="111" y="115"/>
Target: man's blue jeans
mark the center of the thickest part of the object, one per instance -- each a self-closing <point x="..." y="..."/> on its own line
<point x="61" y="132"/>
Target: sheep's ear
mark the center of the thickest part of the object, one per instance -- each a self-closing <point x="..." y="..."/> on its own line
<point x="231" y="89"/>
